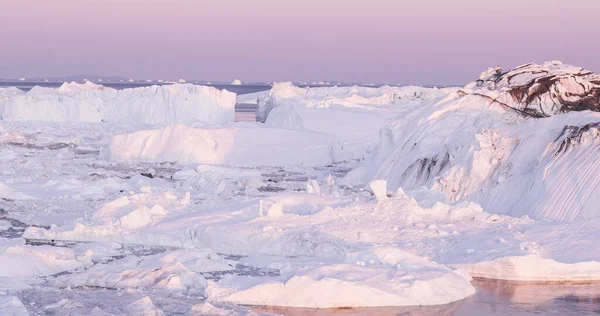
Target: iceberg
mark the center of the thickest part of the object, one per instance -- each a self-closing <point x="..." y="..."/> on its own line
<point x="90" y="102"/>
<point x="484" y="143"/>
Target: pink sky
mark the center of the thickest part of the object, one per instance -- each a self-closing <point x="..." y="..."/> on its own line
<point x="417" y="41"/>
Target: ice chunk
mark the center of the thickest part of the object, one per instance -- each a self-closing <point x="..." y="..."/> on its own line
<point x="534" y="268"/>
<point x="26" y="261"/>
<point x="379" y="188"/>
<point x="408" y="280"/>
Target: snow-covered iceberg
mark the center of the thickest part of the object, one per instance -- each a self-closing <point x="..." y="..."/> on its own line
<point x="391" y="277"/>
<point x="89" y="102"/>
<point x="352" y="114"/>
<point x="236" y="146"/>
<point x="482" y="144"/>
<point x="285" y="93"/>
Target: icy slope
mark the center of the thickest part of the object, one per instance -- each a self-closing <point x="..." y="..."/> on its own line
<point x="90" y="102"/>
<point x="470" y="147"/>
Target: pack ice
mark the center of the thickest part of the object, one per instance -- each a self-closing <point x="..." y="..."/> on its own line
<point x="336" y="197"/>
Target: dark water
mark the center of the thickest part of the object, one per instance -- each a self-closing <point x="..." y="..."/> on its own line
<point x="238" y="89"/>
<point x="492" y="298"/>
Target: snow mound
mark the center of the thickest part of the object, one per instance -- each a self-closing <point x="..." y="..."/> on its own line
<point x="90" y="102"/>
<point x="234" y="146"/>
<point x="540" y="90"/>
<point x="285" y="93"/>
<point x="470" y="148"/>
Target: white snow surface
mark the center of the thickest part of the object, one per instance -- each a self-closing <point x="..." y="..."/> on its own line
<point x="89" y="102"/>
<point x="540" y="90"/>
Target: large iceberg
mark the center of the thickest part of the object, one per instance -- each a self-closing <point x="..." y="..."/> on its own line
<point x="285" y="93"/>
<point x="485" y="144"/>
<point x="89" y="102"/>
<point x="352" y="114"/>
<point x="238" y="146"/>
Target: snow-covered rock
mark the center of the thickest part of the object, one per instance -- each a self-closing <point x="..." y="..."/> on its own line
<point x="540" y="90"/>
<point x="90" y="102"/>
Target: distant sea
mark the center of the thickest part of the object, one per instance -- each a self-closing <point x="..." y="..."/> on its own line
<point x="238" y="89"/>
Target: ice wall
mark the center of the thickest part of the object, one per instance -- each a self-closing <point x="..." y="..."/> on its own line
<point x="177" y="103"/>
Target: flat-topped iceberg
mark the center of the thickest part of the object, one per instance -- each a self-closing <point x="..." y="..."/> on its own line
<point x="89" y="102"/>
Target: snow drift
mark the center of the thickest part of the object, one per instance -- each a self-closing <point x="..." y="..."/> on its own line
<point x="90" y="102"/>
<point x="485" y="145"/>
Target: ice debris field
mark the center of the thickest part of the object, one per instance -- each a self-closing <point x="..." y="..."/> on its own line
<point x="334" y="196"/>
